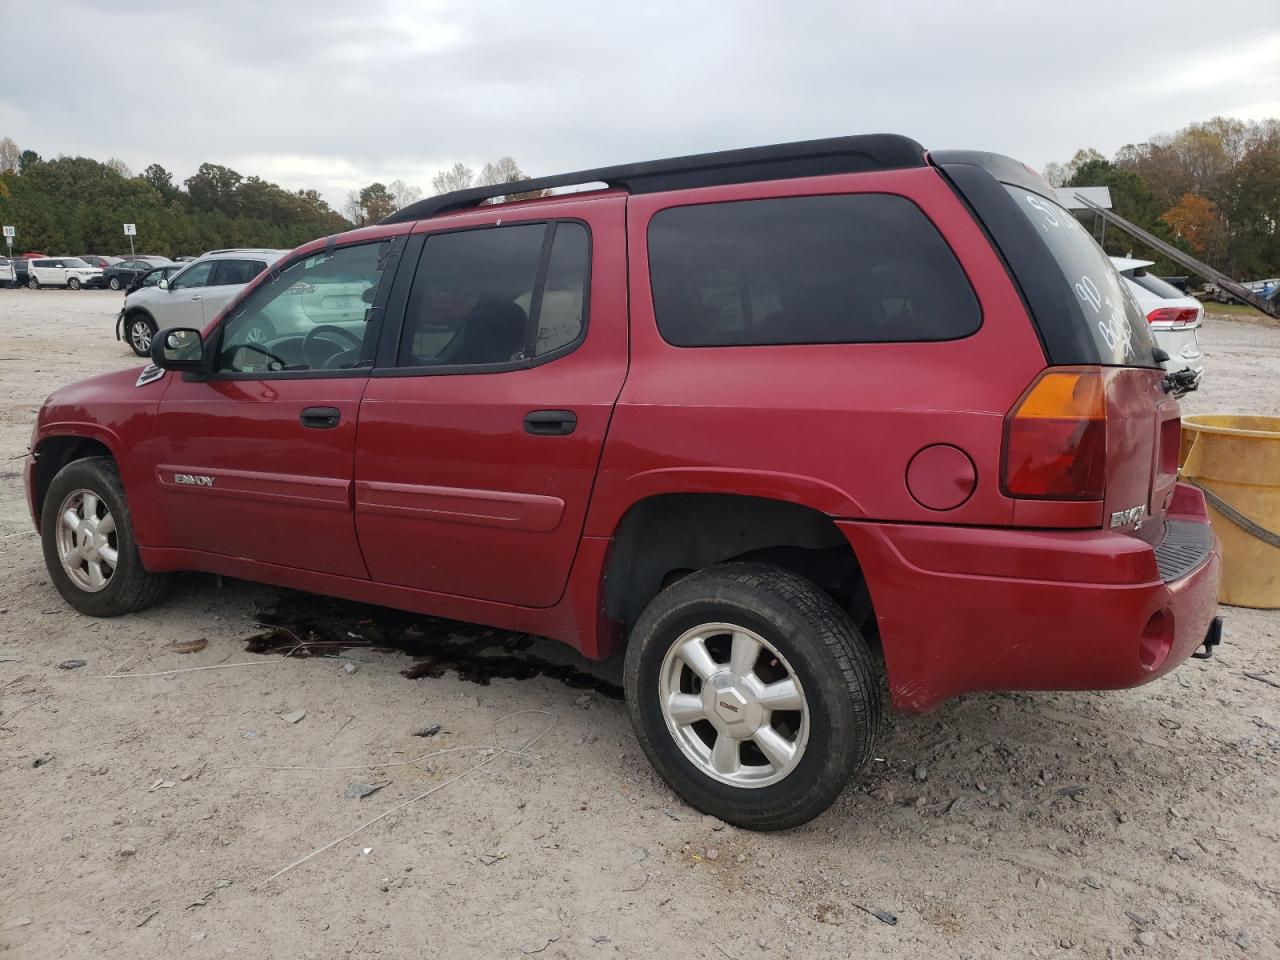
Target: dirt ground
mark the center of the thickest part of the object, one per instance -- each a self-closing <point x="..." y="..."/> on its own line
<point x="145" y="816"/>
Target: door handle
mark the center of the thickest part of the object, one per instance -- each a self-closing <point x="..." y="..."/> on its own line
<point x="321" y="418"/>
<point x="550" y="423"/>
<point x="195" y="296"/>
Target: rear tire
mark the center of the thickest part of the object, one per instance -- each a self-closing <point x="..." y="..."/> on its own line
<point x="114" y="283"/>
<point x="33" y="283"/>
<point x="765" y="738"/>
<point x="86" y="530"/>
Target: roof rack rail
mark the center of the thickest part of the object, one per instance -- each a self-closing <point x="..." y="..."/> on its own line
<point x="781" y="161"/>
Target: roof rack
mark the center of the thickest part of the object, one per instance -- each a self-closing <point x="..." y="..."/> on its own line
<point x="781" y="161"/>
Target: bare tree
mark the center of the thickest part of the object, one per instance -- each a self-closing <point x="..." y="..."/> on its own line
<point x="353" y="209"/>
<point x="457" y="177"/>
<point x="9" y="154"/>
<point x="403" y="193"/>
<point x="120" y="167"/>
<point x="504" y="170"/>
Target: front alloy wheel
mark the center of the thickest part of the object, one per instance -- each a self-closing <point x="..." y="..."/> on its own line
<point x="140" y="333"/>
<point x="114" y="283"/>
<point x="88" y="544"/>
<point x="74" y="283"/>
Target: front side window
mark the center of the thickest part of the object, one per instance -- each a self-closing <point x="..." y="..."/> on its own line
<point x="195" y="276"/>
<point x="497" y="295"/>
<point x="859" y="268"/>
<point x="74" y="263"/>
<point x="313" y="315"/>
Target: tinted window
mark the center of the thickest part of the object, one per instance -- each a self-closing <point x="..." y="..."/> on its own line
<point x="1153" y="284"/>
<point x="196" y="275"/>
<point x="74" y="262"/>
<point x="839" y="269"/>
<point x="312" y="316"/>
<point x="236" y="272"/>
<point x="1108" y="311"/>
<point x="496" y="295"/>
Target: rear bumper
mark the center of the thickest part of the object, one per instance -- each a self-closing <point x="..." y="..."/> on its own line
<point x="965" y="609"/>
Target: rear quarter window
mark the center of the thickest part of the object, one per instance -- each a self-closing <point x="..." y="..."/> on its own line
<point x="861" y="268"/>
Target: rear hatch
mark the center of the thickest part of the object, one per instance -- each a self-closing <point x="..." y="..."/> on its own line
<point x="1086" y="318"/>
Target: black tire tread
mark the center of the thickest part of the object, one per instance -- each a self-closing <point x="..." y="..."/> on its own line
<point x="140" y="587"/>
<point x="828" y="625"/>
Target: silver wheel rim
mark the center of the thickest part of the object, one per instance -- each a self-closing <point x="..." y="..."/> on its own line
<point x="140" y="334"/>
<point x="73" y="283"/>
<point x="115" y="284"/>
<point x="87" y="540"/>
<point x="734" y="705"/>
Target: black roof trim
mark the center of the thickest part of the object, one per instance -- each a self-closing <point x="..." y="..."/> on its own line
<point x="1005" y="169"/>
<point x="781" y="161"/>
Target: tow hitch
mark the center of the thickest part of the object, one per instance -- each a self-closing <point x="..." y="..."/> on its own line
<point x="1211" y="640"/>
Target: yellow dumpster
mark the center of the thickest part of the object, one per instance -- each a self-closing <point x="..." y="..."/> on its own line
<point x="1235" y="460"/>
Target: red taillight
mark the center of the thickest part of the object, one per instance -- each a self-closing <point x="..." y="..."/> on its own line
<point x="1173" y="316"/>
<point x="1055" y="438"/>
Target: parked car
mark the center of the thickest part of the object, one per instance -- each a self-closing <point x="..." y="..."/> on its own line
<point x="70" y="272"/>
<point x="100" y="262"/>
<point x="739" y="417"/>
<point x="192" y="296"/>
<point x="6" y="272"/>
<point x="121" y="275"/>
<point x="1173" y="317"/>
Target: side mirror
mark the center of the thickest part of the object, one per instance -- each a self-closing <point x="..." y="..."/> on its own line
<point x="163" y="284"/>
<point x="178" y="348"/>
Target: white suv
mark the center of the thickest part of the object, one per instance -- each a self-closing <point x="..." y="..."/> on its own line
<point x="190" y="298"/>
<point x="69" y="272"/>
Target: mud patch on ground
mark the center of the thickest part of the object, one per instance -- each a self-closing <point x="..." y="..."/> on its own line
<point x="305" y="625"/>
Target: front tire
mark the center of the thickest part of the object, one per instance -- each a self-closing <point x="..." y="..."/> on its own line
<point x="87" y="533"/>
<point x="139" y="330"/>
<point x="74" y="283"/>
<point x="752" y="694"/>
<point x="114" y="283"/>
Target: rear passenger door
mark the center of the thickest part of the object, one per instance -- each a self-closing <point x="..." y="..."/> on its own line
<point x="227" y="279"/>
<point x="482" y="426"/>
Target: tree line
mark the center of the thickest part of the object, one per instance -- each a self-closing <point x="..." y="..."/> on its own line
<point x="75" y="205"/>
<point x="1211" y="188"/>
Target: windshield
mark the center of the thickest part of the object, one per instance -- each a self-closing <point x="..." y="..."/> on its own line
<point x="1114" y="321"/>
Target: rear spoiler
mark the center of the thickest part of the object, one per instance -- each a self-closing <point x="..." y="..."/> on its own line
<point x="1239" y="291"/>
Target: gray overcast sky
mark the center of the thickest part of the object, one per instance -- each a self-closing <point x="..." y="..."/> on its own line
<point x="334" y="95"/>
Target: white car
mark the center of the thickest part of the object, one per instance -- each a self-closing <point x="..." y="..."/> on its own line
<point x="6" y="272"/>
<point x="1174" y="317"/>
<point x="190" y="298"/>
<point x="70" y="272"/>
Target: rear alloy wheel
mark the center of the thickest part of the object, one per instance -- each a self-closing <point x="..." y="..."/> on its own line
<point x="86" y="530"/>
<point x="33" y="283"/>
<point x="114" y="283"/>
<point x="74" y="283"/>
<point x="140" y="331"/>
<point x="752" y="693"/>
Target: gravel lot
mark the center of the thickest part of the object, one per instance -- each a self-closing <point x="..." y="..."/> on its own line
<point x="1136" y="823"/>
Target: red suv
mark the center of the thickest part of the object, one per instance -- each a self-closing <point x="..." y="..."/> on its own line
<point x="746" y="414"/>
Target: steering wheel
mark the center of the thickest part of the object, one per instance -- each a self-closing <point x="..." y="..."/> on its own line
<point x="314" y="336"/>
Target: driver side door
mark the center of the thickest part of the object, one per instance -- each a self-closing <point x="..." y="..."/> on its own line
<point x="257" y="454"/>
<point x="183" y="305"/>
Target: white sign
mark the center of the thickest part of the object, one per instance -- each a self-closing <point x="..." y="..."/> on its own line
<point x="130" y="230"/>
<point x="9" y="232"/>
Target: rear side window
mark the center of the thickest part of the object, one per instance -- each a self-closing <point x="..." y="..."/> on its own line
<point x="1154" y="285"/>
<point x="497" y="295"/>
<point x="863" y="268"/>
<point x="1103" y="306"/>
<point x="235" y="272"/>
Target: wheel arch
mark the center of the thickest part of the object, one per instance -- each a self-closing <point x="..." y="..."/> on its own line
<point x="667" y="535"/>
<point x="54" y="452"/>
